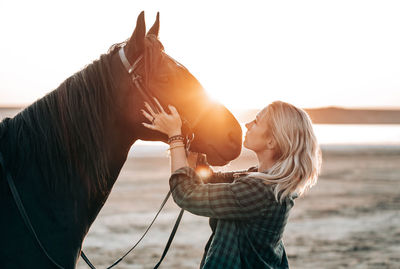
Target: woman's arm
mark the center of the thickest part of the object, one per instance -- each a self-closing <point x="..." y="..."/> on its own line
<point x="244" y="198"/>
<point x="238" y="200"/>
<point x="227" y="177"/>
<point x="220" y="177"/>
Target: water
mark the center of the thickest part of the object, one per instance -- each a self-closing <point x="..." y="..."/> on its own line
<point x="358" y="134"/>
<point x="332" y="136"/>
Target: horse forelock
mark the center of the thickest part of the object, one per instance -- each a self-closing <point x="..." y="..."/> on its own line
<point x="66" y="129"/>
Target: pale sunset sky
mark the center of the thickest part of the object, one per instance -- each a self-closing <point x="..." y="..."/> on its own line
<point x="246" y="54"/>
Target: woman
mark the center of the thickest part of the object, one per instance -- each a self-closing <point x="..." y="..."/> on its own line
<point x="249" y="210"/>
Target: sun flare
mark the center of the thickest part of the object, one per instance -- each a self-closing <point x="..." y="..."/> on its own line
<point x="203" y="172"/>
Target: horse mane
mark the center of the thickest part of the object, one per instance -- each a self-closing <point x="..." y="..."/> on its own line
<point x="65" y="130"/>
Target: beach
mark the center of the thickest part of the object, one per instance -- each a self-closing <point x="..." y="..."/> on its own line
<point x="350" y="219"/>
<point x="91" y="66"/>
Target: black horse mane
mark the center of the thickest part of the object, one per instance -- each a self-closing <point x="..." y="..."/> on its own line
<point x="65" y="130"/>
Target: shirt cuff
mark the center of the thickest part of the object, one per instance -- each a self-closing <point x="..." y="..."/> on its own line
<point x="184" y="174"/>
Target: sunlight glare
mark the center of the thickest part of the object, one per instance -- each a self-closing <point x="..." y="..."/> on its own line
<point x="203" y="172"/>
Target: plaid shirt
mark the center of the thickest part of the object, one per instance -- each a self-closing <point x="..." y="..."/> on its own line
<point x="249" y="221"/>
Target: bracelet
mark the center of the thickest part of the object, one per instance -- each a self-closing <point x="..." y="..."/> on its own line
<point x="176" y="142"/>
<point x="177" y="146"/>
<point x="176" y="138"/>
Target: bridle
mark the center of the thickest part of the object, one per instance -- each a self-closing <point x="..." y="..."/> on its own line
<point x="149" y="98"/>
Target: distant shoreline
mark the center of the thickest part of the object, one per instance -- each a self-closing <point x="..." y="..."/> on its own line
<point x="336" y="115"/>
<point x="158" y="150"/>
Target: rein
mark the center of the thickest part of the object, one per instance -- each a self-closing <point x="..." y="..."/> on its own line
<point x="137" y="81"/>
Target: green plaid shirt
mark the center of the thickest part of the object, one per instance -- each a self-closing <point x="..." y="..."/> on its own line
<point x="249" y="222"/>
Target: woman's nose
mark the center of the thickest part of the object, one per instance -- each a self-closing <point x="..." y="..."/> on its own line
<point x="248" y="125"/>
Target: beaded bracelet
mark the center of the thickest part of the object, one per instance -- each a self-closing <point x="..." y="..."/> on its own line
<point x="176" y="138"/>
<point x="176" y="142"/>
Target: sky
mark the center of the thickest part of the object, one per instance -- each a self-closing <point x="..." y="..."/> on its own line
<point x="246" y="54"/>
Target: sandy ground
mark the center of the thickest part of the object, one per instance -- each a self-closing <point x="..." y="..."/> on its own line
<point x="350" y="219"/>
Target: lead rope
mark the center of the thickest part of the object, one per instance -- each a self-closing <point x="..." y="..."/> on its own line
<point x="166" y="248"/>
<point x="189" y="139"/>
<point x="85" y="258"/>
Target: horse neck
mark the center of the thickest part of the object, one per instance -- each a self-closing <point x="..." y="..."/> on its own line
<point x="121" y="141"/>
<point x="119" y="133"/>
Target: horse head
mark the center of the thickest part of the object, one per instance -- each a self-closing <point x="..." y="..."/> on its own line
<point x="216" y="132"/>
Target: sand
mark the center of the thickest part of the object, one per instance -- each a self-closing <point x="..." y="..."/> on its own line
<point x="351" y="218"/>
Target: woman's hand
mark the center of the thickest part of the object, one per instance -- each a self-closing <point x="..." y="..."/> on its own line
<point x="169" y="124"/>
<point x="198" y="162"/>
<point x="192" y="159"/>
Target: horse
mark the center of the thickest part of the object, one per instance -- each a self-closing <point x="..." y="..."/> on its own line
<point x="66" y="150"/>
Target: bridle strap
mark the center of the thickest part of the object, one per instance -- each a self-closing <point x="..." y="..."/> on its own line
<point x="125" y="61"/>
<point x="137" y="81"/>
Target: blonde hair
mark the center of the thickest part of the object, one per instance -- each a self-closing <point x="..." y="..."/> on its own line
<point x="298" y="158"/>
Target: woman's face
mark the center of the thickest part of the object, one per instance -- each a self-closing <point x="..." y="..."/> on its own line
<point x="256" y="138"/>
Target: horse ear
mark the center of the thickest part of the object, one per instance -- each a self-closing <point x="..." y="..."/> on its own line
<point x="156" y="26"/>
<point x="135" y="45"/>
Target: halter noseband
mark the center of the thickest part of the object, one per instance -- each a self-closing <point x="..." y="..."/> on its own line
<point x="137" y="81"/>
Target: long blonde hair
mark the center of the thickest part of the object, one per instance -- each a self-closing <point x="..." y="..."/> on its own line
<point x="298" y="158"/>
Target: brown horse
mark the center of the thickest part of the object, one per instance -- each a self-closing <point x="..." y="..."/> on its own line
<point x="65" y="151"/>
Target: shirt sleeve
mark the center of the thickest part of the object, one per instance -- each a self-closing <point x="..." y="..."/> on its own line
<point x="225" y="177"/>
<point x="244" y="198"/>
<point x="220" y="177"/>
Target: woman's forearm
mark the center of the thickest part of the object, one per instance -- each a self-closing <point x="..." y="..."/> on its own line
<point x="178" y="156"/>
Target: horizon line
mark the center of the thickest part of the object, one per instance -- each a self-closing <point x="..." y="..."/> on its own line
<point x="21" y="106"/>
